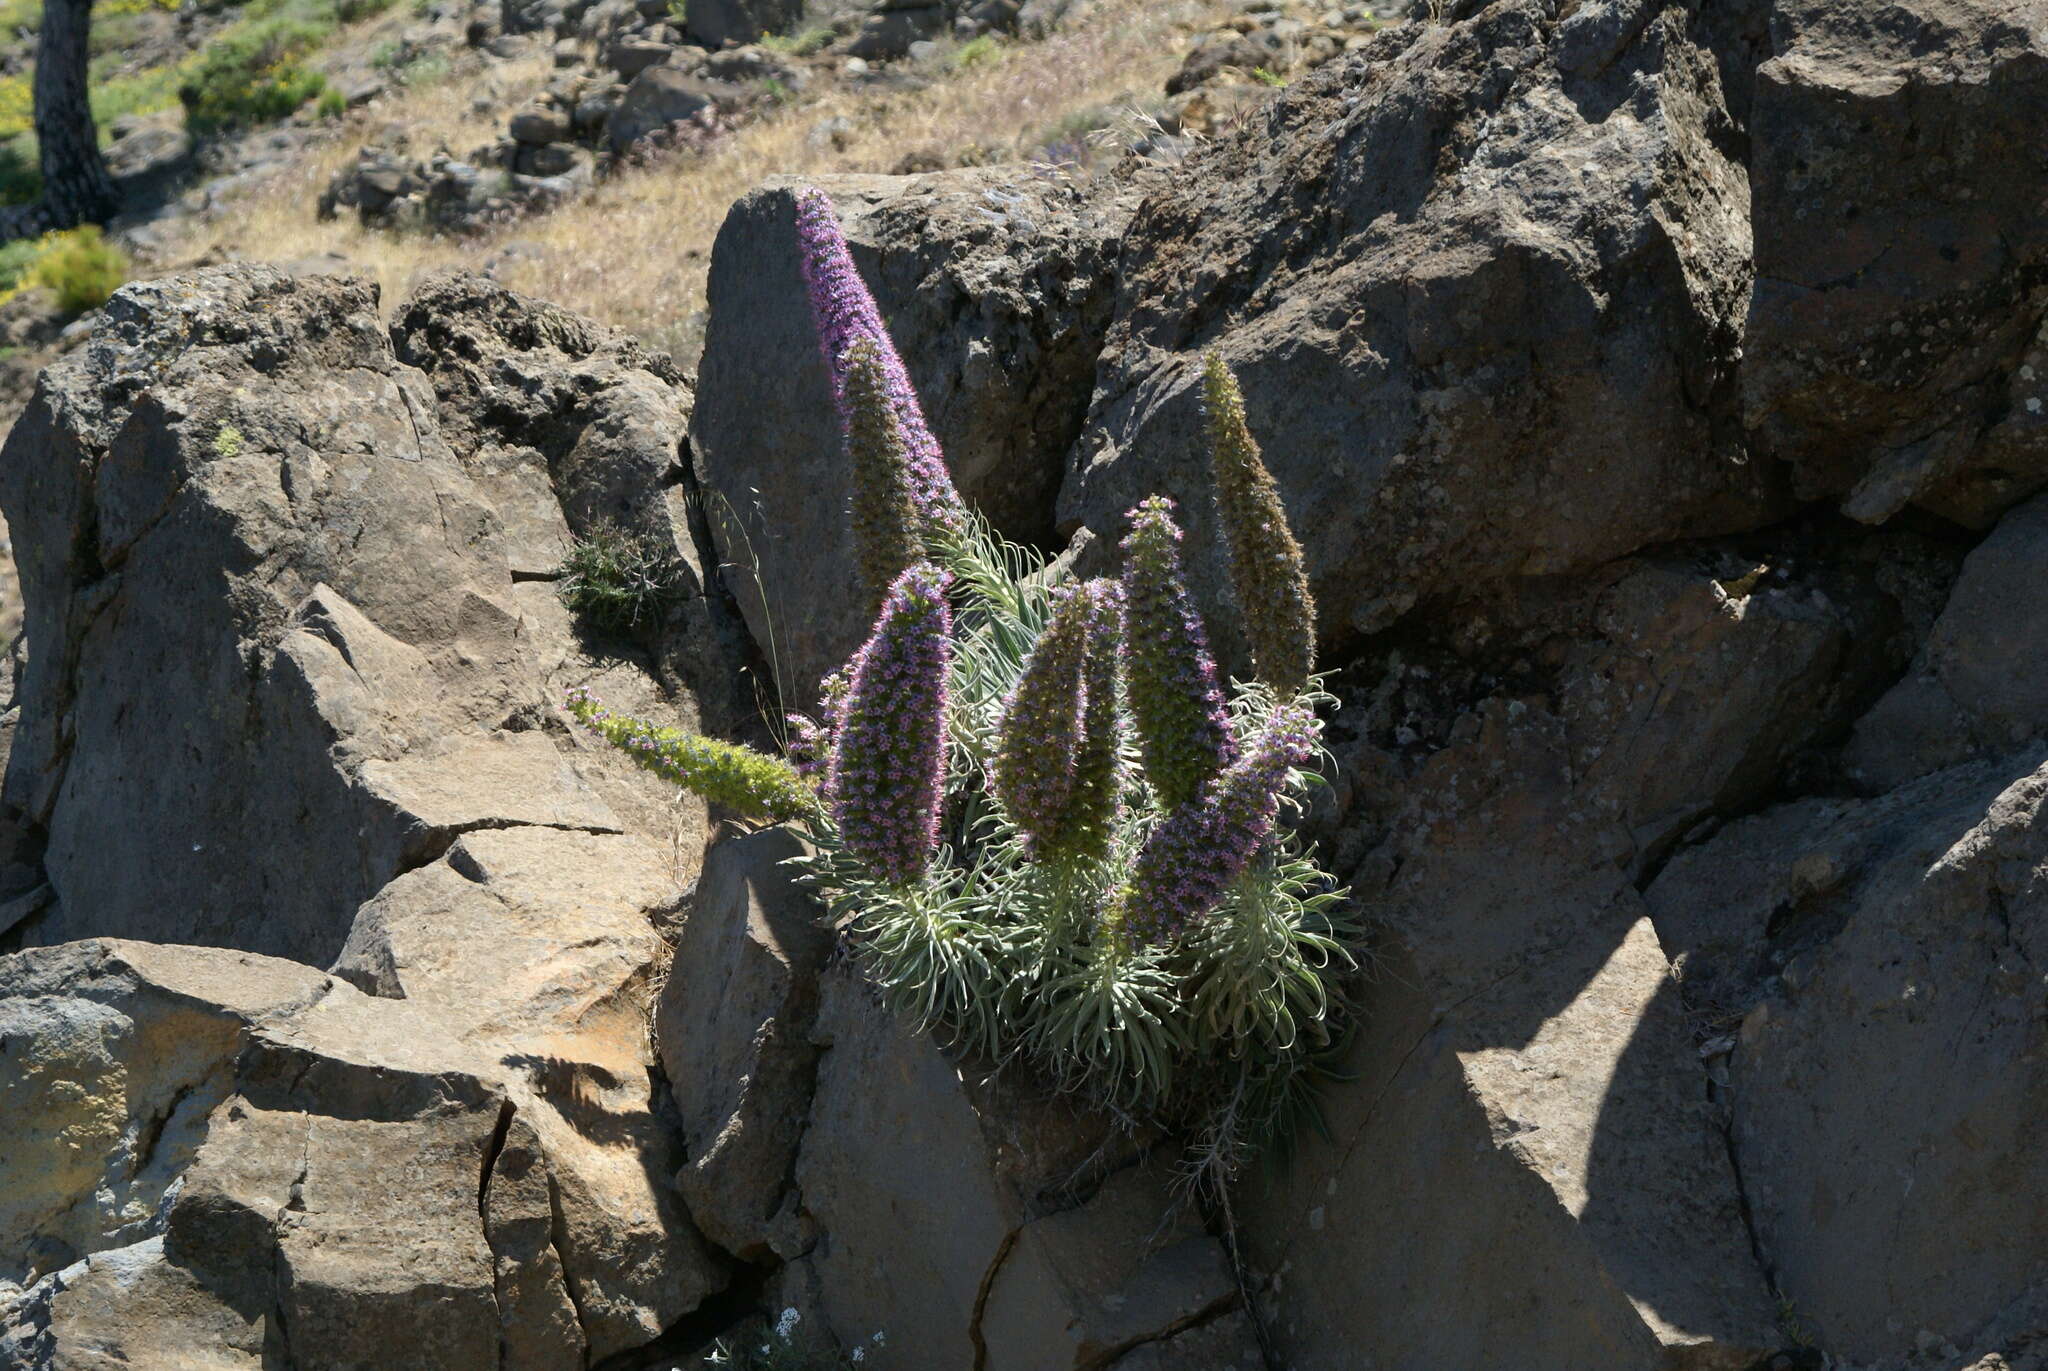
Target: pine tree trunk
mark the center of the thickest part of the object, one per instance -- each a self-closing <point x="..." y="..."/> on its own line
<point x="77" y="188"/>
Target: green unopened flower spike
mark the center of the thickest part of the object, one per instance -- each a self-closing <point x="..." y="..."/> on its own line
<point x="1183" y="733"/>
<point x="1098" y="783"/>
<point x="887" y="530"/>
<point x="1040" y="737"/>
<point x="1265" y="560"/>
<point x="751" y="784"/>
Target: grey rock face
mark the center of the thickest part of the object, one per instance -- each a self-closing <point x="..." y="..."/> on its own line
<point x="1886" y="1074"/>
<point x="1974" y="690"/>
<point x="1894" y="349"/>
<point x="934" y="1225"/>
<point x="1467" y="357"/>
<point x="660" y="96"/>
<point x="733" y="1031"/>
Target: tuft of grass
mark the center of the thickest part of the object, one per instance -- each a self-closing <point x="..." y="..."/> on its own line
<point x="618" y="580"/>
<point x="333" y="104"/>
<point x="802" y="43"/>
<point x="974" y="52"/>
<point x="1266" y="77"/>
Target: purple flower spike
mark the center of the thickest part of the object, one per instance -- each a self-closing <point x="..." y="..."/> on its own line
<point x="1204" y="845"/>
<point x="1040" y="738"/>
<point x="1183" y="733"/>
<point x="889" y="763"/>
<point x="844" y="312"/>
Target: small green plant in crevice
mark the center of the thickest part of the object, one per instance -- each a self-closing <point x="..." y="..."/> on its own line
<point x="679" y="12"/>
<point x="1267" y="77"/>
<point x="227" y="443"/>
<point x="1050" y="830"/>
<point x="785" y="1348"/>
<point x="619" y="580"/>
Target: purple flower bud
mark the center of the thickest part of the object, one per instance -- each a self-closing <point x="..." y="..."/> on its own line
<point x="1205" y="844"/>
<point x="888" y="771"/>
<point x="1183" y="733"/>
<point x="844" y="312"/>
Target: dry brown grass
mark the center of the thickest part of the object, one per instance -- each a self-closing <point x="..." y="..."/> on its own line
<point x="635" y="252"/>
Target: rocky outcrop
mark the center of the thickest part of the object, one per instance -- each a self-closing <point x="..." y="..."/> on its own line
<point x="1498" y="284"/>
<point x="261" y="534"/>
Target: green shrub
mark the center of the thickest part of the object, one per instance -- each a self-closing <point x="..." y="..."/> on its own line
<point x="333" y="104"/>
<point x="619" y="580"/>
<point x="79" y="267"/>
<point x="976" y="51"/>
<point x="252" y="75"/>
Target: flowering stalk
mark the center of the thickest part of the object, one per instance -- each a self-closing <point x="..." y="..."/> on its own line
<point x="1092" y="808"/>
<point x="1039" y="740"/>
<point x="751" y="784"/>
<point x="1265" y="560"/>
<point x="887" y="531"/>
<point x="889" y="762"/>
<point x="1183" y="732"/>
<point x="809" y="747"/>
<point x="844" y="311"/>
<point x="1204" y="845"/>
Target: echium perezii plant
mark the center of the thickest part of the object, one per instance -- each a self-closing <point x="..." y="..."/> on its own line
<point x="844" y="311"/>
<point x="887" y="779"/>
<point x="1265" y="560"/>
<point x="1205" y="844"/>
<point x="1149" y="935"/>
<point x="1039" y="743"/>
<point x="752" y="784"/>
<point x="1184" y="733"/>
<point x="888" y="534"/>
